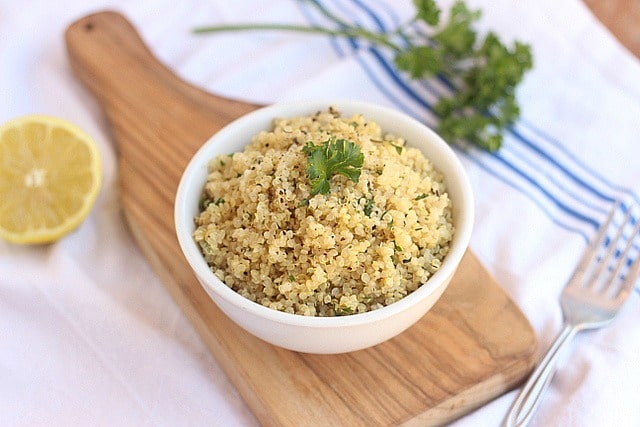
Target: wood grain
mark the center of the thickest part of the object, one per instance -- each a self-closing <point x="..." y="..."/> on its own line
<point x="472" y="346"/>
<point x="622" y="18"/>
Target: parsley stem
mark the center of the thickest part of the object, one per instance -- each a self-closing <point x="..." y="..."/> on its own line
<point x="361" y="33"/>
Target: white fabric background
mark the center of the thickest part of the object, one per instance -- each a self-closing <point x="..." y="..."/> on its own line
<point x="88" y="334"/>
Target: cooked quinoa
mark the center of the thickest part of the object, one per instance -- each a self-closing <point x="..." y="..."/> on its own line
<point x="363" y="246"/>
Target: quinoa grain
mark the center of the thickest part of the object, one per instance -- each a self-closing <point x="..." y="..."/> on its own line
<point x="363" y="246"/>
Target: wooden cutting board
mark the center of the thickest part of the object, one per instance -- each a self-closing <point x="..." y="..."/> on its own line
<point x="472" y="346"/>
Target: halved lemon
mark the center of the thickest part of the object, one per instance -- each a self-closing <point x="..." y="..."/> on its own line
<point x="50" y="176"/>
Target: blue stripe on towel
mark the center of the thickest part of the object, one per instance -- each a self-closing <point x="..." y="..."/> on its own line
<point x="310" y="18"/>
<point x="371" y="15"/>
<point x="527" y="192"/>
<point x="546" y="192"/>
<point x="585" y="169"/>
<point x="548" y="158"/>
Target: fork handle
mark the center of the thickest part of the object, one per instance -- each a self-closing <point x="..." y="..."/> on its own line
<point x="530" y="396"/>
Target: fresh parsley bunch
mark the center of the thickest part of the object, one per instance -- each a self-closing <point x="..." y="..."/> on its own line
<point x="482" y="72"/>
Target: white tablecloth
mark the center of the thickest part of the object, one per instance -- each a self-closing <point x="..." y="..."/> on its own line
<point x="88" y="334"/>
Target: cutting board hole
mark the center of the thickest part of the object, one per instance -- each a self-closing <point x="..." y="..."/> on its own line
<point x="88" y="26"/>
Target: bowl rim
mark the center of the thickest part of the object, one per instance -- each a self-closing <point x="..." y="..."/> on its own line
<point x="462" y="233"/>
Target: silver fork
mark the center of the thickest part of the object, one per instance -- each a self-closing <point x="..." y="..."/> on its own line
<point x="598" y="288"/>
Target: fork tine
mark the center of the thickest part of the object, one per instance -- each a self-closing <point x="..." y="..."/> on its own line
<point x="591" y="252"/>
<point x="632" y="275"/>
<point x="610" y="253"/>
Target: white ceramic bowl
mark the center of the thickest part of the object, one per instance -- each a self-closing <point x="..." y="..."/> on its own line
<point x="325" y="334"/>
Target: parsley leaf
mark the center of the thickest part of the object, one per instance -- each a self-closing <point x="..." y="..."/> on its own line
<point x="420" y="61"/>
<point x="457" y="37"/>
<point x="427" y="10"/>
<point x="332" y="157"/>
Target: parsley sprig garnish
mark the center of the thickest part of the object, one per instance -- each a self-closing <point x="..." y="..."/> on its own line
<point x="482" y="73"/>
<point x="332" y="157"/>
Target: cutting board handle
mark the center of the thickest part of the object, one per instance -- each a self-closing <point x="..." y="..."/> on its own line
<point x="105" y="51"/>
<point x="108" y="55"/>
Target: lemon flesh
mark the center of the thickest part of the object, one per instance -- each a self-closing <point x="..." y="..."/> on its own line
<point x="50" y="176"/>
